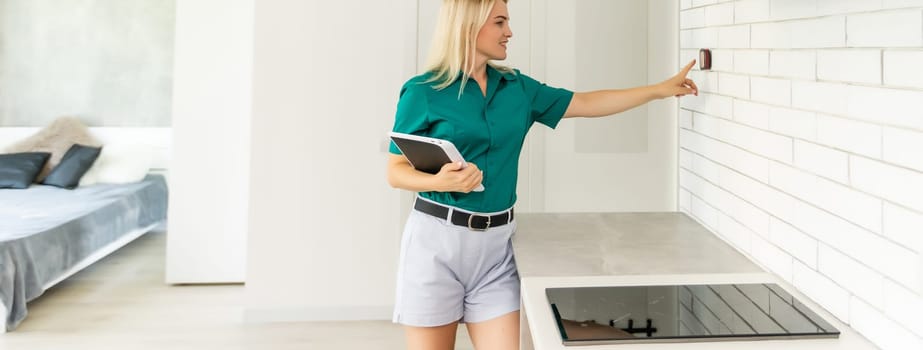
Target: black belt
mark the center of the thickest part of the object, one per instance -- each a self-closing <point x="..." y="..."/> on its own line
<point x="475" y="222"/>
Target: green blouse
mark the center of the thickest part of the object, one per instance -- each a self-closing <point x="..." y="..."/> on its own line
<point x="488" y="130"/>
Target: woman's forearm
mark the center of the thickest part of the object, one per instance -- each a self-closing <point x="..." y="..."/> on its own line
<point x="404" y="176"/>
<point x="453" y="177"/>
<point x="607" y="102"/>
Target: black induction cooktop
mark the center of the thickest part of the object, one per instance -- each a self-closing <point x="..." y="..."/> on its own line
<point x="682" y="313"/>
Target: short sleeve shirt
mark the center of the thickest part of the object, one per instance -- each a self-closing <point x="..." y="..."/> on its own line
<point x="488" y="130"/>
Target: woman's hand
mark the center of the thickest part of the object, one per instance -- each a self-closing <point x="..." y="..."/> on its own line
<point x="455" y="178"/>
<point x="678" y="85"/>
<point x="451" y="178"/>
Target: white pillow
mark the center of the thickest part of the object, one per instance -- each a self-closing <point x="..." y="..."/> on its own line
<point x="120" y="163"/>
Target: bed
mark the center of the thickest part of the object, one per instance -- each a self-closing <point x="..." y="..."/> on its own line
<point x="47" y="234"/>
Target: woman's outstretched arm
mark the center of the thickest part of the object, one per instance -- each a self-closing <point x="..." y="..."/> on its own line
<point x="607" y="102"/>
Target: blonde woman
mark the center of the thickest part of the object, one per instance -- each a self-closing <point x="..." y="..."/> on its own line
<point x="456" y="261"/>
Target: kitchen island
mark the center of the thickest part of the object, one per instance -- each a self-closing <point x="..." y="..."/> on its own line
<point x="628" y="249"/>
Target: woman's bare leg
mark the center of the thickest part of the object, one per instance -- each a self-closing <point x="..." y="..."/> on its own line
<point x="501" y="333"/>
<point x="432" y="338"/>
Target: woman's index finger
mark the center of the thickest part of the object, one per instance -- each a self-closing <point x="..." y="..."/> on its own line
<point x="688" y="67"/>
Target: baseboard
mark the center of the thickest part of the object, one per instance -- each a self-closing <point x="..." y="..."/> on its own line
<point x="316" y="314"/>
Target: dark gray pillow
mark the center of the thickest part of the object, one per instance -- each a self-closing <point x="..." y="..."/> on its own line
<point x="73" y="165"/>
<point x="19" y="170"/>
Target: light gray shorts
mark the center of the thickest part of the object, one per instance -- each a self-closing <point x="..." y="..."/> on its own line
<point x="449" y="273"/>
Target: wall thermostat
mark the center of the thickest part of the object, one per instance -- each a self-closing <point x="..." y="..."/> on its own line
<point x="704" y="59"/>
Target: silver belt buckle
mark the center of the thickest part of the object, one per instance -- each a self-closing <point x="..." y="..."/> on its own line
<point x="478" y="229"/>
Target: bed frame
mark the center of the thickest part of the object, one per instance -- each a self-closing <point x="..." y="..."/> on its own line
<point x="97" y="256"/>
<point x="159" y="139"/>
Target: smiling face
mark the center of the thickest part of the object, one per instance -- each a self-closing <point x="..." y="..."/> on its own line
<point x="495" y="34"/>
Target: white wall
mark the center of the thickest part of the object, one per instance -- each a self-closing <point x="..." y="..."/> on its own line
<point x="621" y="163"/>
<point x="803" y="150"/>
<point x="209" y="175"/>
<point x="107" y="62"/>
<point x="324" y="224"/>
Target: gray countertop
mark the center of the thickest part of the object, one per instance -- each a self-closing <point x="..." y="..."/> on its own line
<point x="603" y="244"/>
<point x="610" y="249"/>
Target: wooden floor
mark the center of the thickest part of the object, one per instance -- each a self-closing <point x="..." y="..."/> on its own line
<point x="122" y="302"/>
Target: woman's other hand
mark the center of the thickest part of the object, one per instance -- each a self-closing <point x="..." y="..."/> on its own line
<point x="678" y="85"/>
<point x="453" y="177"/>
<point x="458" y="177"/>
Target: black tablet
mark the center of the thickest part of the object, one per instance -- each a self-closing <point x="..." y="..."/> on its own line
<point x="427" y="154"/>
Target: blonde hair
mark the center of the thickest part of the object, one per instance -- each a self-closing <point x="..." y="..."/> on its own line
<point x="455" y="40"/>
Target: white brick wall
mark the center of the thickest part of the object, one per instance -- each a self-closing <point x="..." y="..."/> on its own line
<point x="823" y="161"/>
<point x="860" y="66"/>
<point x="821" y="32"/>
<point x="734" y="36"/>
<point x="721" y="60"/>
<point x="795" y="123"/>
<point x="708" y="171"/>
<point x="805" y="149"/>
<point x="747" y="11"/>
<point x="735" y="233"/>
<point x="903" y="147"/>
<point x="693" y="18"/>
<point x="772" y="91"/>
<point x="776" y="35"/>
<point x="719" y="14"/>
<point x="734" y="85"/>
<point x="884" y="105"/>
<point x="881" y="330"/>
<point x="903" y="226"/>
<point x="903" y="28"/>
<point x="762" y="143"/>
<point x="902" y="68"/>
<point x="796" y="243"/>
<point x="820" y="288"/>
<point x="685" y="119"/>
<point x="752" y="114"/>
<point x="902" y="186"/>
<point x="859" y="208"/>
<point x="799" y="64"/>
<point x="827" y="7"/>
<point x="857" y="137"/>
<point x="904" y="306"/>
<point x="788" y="9"/>
<point x="774" y="259"/>
<point x="813" y="96"/>
<point x="852" y="275"/>
<point x="723" y="153"/>
<point x="754" y="62"/>
<point x="890" y="4"/>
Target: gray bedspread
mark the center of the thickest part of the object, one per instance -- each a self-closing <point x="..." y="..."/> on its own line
<point x="44" y="231"/>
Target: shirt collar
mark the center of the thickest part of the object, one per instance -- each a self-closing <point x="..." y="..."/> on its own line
<point x="509" y="76"/>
